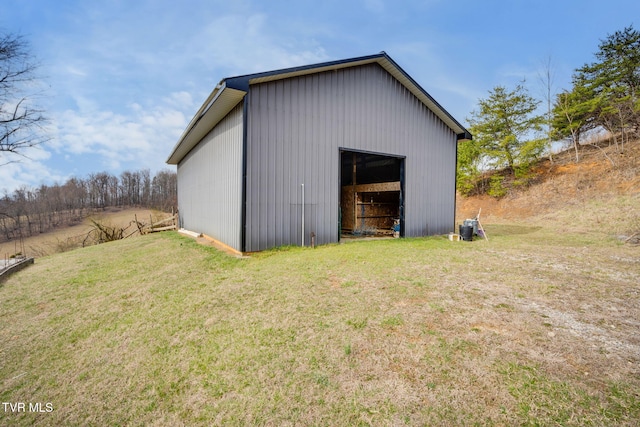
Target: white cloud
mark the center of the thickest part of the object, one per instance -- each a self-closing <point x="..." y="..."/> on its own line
<point x="244" y="44"/>
<point x="138" y="137"/>
<point x="30" y="171"/>
<point x="122" y="97"/>
<point x="375" y="6"/>
<point x="76" y="71"/>
<point x="181" y="100"/>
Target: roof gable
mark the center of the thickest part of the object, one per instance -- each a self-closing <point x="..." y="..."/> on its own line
<point x="230" y="91"/>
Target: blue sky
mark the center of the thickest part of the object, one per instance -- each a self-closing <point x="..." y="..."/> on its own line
<point x="120" y="79"/>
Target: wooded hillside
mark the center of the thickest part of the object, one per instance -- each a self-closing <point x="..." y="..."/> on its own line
<point x="29" y="211"/>
<point x="511" y="133"/>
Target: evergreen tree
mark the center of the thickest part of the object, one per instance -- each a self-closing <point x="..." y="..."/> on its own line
<point x="469" y="162"/>
<point x="504" y="130"/>
<point x="605" y="93"/>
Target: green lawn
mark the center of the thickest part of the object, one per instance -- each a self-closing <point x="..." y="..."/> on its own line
<point x="533" y="327"/>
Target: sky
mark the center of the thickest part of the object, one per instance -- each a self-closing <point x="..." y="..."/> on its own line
<point x="120" y="80"/>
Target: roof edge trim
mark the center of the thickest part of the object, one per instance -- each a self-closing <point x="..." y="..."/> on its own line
<point x="238" y="86"/>
<point x="222" y="100"/>
<point x="464" y="136"/>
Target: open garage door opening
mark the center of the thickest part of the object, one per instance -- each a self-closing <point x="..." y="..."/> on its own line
<point x="371" y="194"/>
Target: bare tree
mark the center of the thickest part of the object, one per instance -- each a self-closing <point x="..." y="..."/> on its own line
<point x="546" y="78"/>
<point x="145" y="187"/>
<point x="28" y="211"/>
<point x="569" y="119"/>
<point x="21" y="122"/>
<point x="164" y="190"/>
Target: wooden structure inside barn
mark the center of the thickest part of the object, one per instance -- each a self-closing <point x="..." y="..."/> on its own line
<point x="370" y="196"/>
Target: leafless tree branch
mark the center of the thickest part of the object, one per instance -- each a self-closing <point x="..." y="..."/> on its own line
<point x="21" y="121"/>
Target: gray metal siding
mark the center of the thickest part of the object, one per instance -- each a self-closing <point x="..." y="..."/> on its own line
<point x="295" y="129"/>
<point x="210" y="182"/>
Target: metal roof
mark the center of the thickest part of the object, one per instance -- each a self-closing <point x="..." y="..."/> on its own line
<point x="230" y="91"/>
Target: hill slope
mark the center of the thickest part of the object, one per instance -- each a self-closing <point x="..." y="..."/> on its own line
<point x="592" y="193"/>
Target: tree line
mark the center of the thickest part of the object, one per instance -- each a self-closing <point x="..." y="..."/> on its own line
<point x="510" y="134"/>
<point x="29" y="211"/>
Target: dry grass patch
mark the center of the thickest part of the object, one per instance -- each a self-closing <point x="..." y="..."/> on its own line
<point x="532" y="327"/>
<point x="66" y="238"/>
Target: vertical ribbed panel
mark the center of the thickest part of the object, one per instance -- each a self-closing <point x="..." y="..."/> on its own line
<point x="210" y="183"/>
<point x="295" y="129"/>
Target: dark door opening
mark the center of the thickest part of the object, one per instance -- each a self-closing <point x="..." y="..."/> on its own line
<point x="371" y="194"/>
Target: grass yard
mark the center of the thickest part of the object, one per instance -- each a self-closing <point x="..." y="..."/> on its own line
<point x="534" y="327"/>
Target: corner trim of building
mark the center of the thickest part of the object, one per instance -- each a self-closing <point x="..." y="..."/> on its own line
<point x="243" y="196"/>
